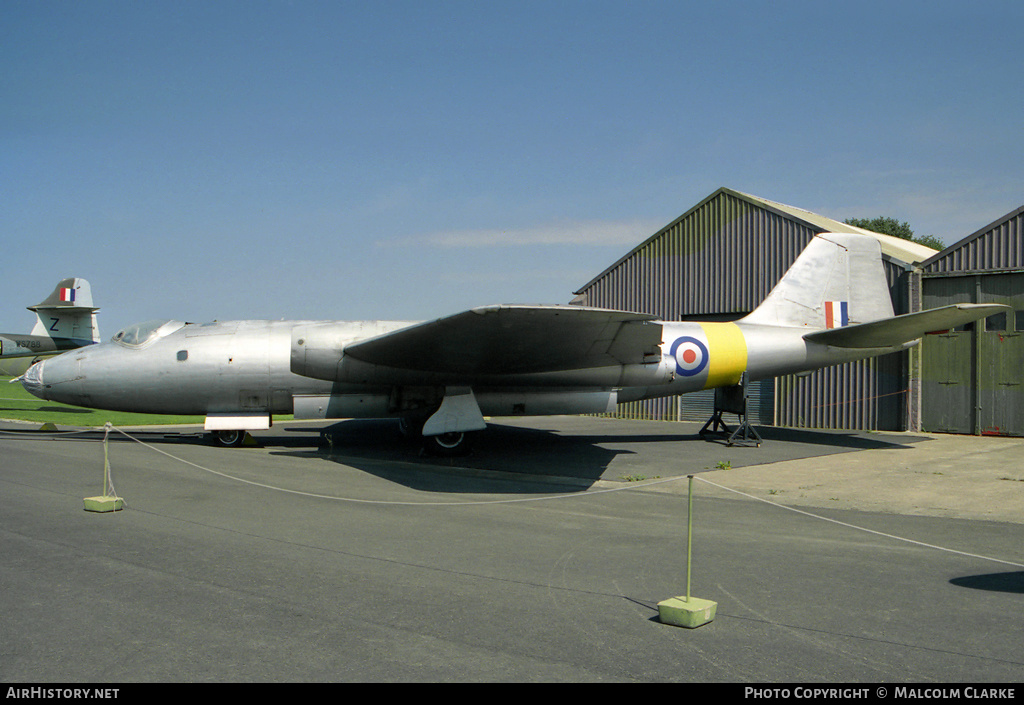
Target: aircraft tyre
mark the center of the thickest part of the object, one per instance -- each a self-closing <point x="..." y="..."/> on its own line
<point x="444" y="445"/>
<point x="228" y="439"/>
<point x="447" y="445"/>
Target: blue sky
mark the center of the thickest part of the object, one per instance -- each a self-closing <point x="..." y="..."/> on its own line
<point x="406" y="160"/>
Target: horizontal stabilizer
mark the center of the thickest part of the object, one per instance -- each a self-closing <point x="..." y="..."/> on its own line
<point x="516" y="339"/>
<point x="894" y="332"/>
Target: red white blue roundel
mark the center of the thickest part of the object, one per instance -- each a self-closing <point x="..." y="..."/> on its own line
<point x="691" y="356"/>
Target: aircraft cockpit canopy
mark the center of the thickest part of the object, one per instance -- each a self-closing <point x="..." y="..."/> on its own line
<point x="137" y="335"/>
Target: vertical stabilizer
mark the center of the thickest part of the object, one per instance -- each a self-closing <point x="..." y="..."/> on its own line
<point x="838" y="280"/>
<point x="67" y="312"/>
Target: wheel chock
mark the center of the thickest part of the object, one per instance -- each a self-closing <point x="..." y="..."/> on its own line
<point x="690" y="613"/>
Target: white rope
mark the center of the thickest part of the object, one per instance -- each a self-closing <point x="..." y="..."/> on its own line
<point x="860" y="528"/>
<point x="391" y="502"/>
<point x="571" y="495"/>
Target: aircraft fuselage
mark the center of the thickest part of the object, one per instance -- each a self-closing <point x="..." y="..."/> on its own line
<point x="246" y="367"/>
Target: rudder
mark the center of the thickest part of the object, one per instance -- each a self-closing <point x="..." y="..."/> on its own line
<point x="838" y="280"/>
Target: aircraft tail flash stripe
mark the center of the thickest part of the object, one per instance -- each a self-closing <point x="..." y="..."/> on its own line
<point x="67" y="295"/>
<point x="727" y="353"/>
<point x="837" y="314"/>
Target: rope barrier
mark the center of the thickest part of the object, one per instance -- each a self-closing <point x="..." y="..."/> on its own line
<point x="574" y="495"/>
<point x="571" y="495"/>
<point x="390" y="502"/>
<point x="108" y="481"/>
<point x="860" y="528"/>
<point x="858" y="399"/>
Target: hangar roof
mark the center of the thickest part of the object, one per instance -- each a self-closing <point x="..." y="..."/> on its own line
<point x="999" y="246"/>
<point x="895" y="248"/>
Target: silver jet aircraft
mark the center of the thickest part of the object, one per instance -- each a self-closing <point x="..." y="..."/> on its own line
<point x="441" y="378"/>
<point x="65" y="320"/>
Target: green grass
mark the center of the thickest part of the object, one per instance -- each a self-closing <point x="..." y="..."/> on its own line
<point x="16" y="403"/>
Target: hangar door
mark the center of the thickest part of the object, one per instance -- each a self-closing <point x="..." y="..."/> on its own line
<point x="973" y="377"/>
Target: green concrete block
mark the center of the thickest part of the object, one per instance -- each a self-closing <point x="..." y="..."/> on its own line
<point x="104" y="504"/>
<point x="679" y="612"/>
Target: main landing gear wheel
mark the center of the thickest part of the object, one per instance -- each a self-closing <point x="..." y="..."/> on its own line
<point x="229" y="439"/>
<point x="447" y="444"/>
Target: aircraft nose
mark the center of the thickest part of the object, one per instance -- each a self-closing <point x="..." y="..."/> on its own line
<point x="32" y="380"/>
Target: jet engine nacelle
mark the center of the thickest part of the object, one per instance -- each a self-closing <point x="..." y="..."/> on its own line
<point x="318" y="351"/>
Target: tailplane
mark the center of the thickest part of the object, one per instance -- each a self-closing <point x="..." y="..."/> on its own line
<point x="68" y="312"/>
<point x="894" y="332"/>
<point x="838" y="280"/>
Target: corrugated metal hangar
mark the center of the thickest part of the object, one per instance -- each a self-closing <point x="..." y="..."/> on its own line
<point x="717" y="261"/>
<point x="972" y="378"/>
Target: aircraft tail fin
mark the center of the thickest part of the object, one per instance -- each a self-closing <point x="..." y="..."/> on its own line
<point x="68" y="312"/>
<point x="838" y="280"/>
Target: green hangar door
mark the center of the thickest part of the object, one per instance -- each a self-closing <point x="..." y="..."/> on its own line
<point x="973" y="377"/>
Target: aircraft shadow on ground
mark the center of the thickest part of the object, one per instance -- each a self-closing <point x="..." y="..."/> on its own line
<point x="567" y="456"/>
<point x="518" y="460"/>
<point x="547" y="457"/>
<point x="840" y="440"/>
<point x="1012" y="582"/>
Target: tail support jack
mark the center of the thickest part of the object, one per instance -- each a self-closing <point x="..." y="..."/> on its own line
<point x="733" y="400"/>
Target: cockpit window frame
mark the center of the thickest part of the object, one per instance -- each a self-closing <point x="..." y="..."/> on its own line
<point x="140" y="335"/>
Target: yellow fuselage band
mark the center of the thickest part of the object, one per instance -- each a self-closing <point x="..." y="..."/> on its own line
<point x="727" y="350"/>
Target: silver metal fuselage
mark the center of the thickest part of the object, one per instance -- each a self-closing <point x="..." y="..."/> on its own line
<point x="198" y="369"/>
<point x="246" y="367"/>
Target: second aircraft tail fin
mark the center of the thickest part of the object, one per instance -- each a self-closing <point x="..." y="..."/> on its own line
<point x="68" y="312"/>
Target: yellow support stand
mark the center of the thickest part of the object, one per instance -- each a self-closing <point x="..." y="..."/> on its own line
<point x="689" y="612"/>
<point x="108" y="501"/>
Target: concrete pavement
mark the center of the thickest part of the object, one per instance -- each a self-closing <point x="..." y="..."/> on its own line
<point x="292" y="561"/>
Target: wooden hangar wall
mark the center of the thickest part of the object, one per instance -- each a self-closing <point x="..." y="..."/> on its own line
<point x="717" y="262"/>
<point x="971" y="379"/>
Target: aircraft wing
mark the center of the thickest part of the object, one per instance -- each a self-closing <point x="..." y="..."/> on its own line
<point x="510" y="339"/>
<point x="894" y="332"/>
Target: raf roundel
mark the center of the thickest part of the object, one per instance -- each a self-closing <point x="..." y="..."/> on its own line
<point x="691" y="356"/>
